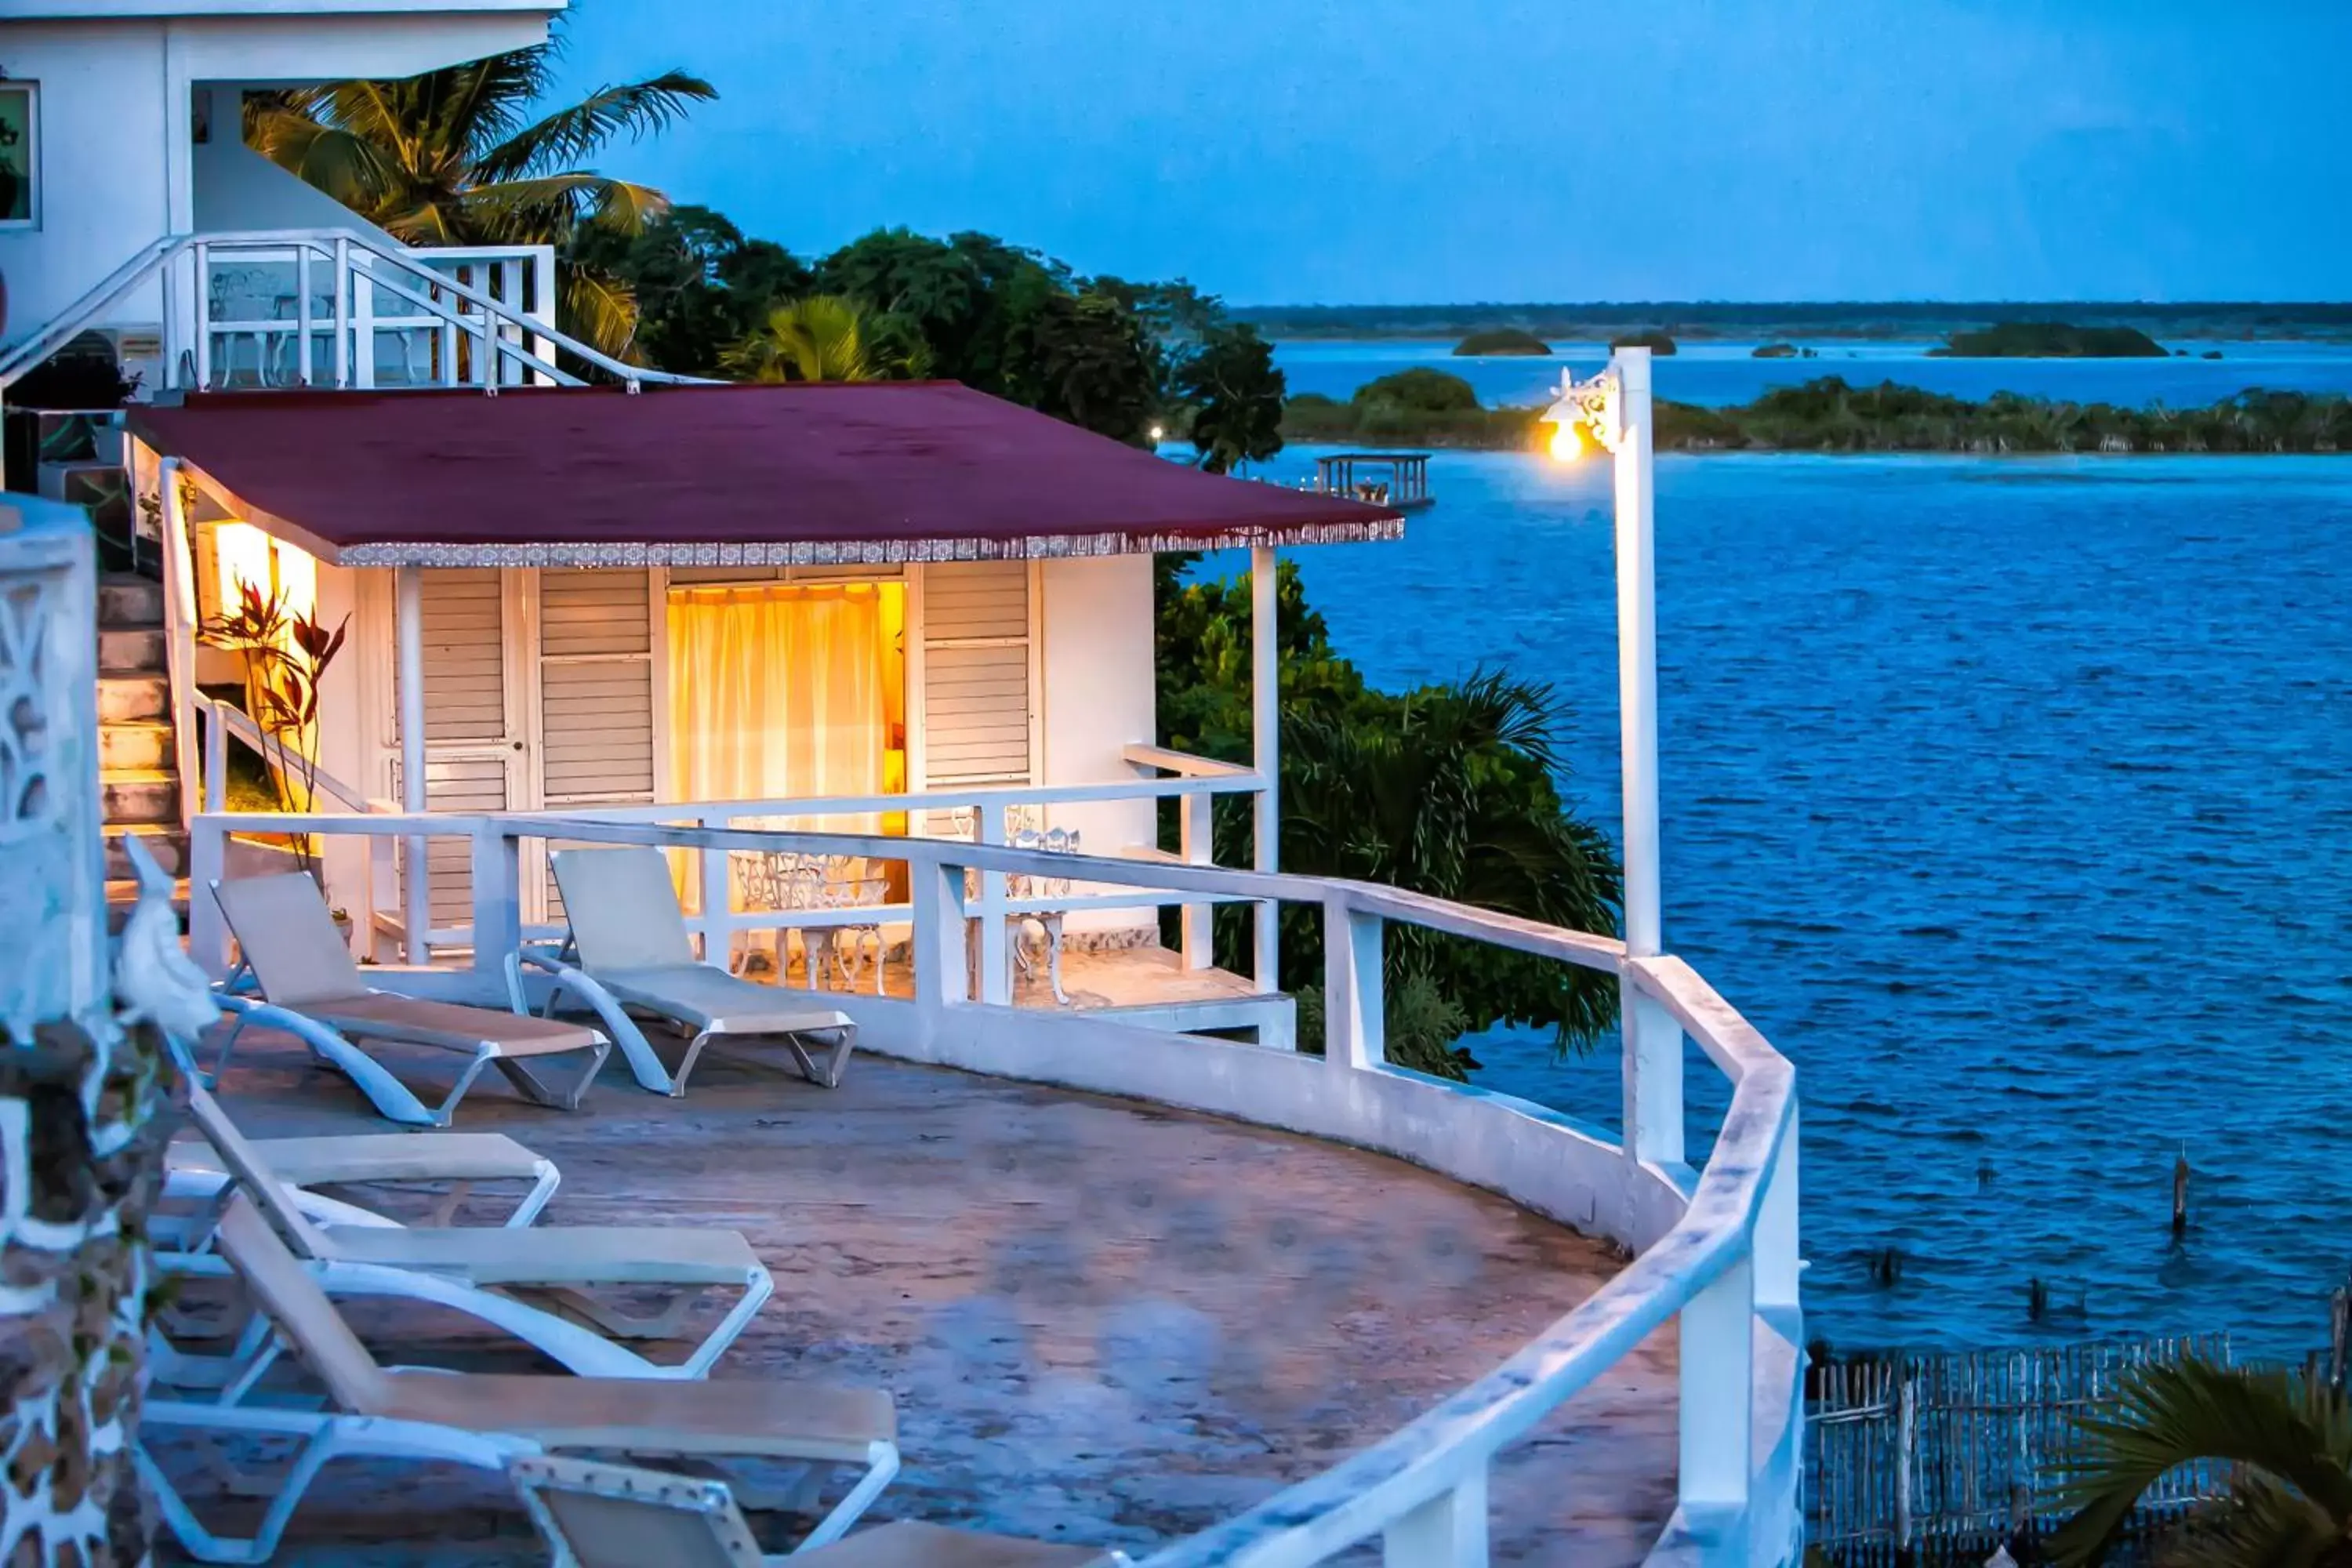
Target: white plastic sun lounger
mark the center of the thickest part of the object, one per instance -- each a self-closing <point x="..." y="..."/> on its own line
<point x="599" y="1515"/>
<point x="505" y="1277"/>
<point x="192" y="1168"/>
<point x="635" y="957"/>
<point x="304" y="968"/>
<point x="487" y="1421"/>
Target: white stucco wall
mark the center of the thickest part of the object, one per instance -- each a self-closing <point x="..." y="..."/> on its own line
<point x="116" y="168"/>
<point x="1097" y="669"/>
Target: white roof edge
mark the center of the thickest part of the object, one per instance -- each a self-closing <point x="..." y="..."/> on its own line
<point x="135" y="10"/>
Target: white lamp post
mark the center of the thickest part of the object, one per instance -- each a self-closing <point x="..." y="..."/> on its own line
<point x="1611" y="411"/>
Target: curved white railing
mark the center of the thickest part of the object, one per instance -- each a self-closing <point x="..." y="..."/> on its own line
<point x="1717" y="1252"/>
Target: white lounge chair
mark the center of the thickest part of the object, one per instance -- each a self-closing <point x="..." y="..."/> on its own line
<point x="487" y="1421"/>
<point x="304" y="968"/>
<point x="636" y="958"/>
<point x="457" y="1162"/>
<point x="599" y="1515"/>
<point x="504" y="1276"/>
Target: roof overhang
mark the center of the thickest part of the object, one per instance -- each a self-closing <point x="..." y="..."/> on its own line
<point x="874" y="474"/>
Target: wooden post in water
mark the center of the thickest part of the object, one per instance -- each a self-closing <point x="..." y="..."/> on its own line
<point x="2180" y="1193"/>
<point x="1907" y="1437"/>
<point x="2339" y="1327"/>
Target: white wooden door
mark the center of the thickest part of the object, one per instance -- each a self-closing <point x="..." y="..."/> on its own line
<point x="476" y="746"/>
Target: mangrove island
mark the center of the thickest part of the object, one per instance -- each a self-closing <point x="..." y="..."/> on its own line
<point x="2050" y="340"/>
<point x="1426" y="408"/>
<point x="1502" y="341"/>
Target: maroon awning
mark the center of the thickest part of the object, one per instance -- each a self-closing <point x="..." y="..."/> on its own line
<point x="797" y="475"/>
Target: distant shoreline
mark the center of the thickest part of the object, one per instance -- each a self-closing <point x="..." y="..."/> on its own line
<point x="1858" y="320"/>
<point x="1423" y="407"/>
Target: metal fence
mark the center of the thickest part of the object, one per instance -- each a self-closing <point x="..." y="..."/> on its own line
<point x="1936" y="1457"/>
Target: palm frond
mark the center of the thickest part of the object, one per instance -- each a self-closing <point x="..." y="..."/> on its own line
<point x="483" y="101"/>
<point x="2258" y="1525"/>
<point x="634" y="110"/>
<point x="2165" y="1417"/>
<point x="600" y="311"/>
<point x="355" y="170"/>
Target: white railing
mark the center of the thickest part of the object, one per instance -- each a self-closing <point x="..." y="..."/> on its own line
<point x="984" y="814"/>
<point x="1718" y="1252"/>
<point x="337" y="300"/>
<point x="305" y="311"/>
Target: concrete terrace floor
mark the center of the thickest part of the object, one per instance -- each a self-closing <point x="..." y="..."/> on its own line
<point x="1103" y="1321"/>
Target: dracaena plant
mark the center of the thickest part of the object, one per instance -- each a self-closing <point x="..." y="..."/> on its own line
<point x="285" y="656"/>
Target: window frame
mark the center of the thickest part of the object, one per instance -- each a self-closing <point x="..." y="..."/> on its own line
<point x="31" y="90"/>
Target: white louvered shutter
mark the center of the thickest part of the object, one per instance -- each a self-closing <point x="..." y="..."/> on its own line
<point x="595" y="692"/>
<point x="976" y="674"/>
<point x="468" y="744"/>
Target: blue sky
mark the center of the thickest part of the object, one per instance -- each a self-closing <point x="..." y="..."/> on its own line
<point x="1404" y="150"/>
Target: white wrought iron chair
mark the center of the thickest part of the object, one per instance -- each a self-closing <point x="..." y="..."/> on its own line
<point x="1046" y="923"/>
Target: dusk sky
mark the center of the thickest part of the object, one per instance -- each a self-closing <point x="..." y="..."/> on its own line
<point x="1401" y="151"/>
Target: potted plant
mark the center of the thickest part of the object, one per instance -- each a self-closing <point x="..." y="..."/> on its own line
<point x="286" y="656"/>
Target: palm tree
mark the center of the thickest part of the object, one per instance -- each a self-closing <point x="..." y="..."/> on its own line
<point x="1450" y="790"/>
<point x="457" y="157"/>
<point x="824" y="337"/>
<point x="2288" y="1440"/>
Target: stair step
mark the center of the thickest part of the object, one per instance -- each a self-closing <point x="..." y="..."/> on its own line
<point x="130" y="698"/>
<point x="122" y="897"/>
<point x="145" y="743"/>
<point x="164" y="841"/>
<point x="130" y="650"/>
<point x="140" y="795"/>
<point x="126" y="600"/>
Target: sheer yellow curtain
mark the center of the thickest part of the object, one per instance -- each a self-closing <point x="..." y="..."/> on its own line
<point x="776" y="690"/>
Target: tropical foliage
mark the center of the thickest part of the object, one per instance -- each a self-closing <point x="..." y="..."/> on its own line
<point x="2285" y="1440"/>
<point x="1235" y="394"/>
<point x="1452" y="790"/>
<point x="286" y="654"/>
<point x="1114" y="356"/>
<point x="464" y="156"/>
<point x="820" y="337"/>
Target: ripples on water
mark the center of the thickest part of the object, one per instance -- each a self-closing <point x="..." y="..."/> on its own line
<point x="2009" y="798"/>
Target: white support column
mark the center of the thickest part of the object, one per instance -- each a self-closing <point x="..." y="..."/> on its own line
<point x="342" y="297"/>
<point x="408" y="633"/>
<point x="1447" y="1531"/>
<point x="1265" y="728"/>
<point x="498" y="900"/>
<point x="718" y="901"/>
<point x="941" y="969"/>
<point x="995" y="955"/>
<point x="1196" y="843"/>
<point x="1355" y="1006"/>
<point x="1717" y="1371"/>
<point x="1653" y="1041"/>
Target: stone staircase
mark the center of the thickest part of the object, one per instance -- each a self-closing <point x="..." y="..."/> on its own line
<point x="138" y="780"/>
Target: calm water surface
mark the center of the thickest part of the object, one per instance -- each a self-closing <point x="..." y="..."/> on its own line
<point x="2009" y="798"/>
<point x="1714" y="374"/>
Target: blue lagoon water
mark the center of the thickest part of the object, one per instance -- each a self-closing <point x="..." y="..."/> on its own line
<point x="2010" y="798"/>
<point x="1714" y="374"/>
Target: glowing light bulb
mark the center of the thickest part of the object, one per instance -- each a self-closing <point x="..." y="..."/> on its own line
<point x="1568" y="442"/>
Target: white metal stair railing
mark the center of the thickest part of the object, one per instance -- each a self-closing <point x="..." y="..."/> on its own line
<point x="446" y="303"/>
